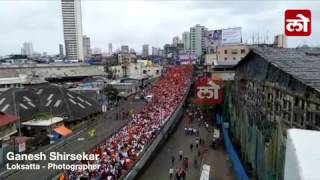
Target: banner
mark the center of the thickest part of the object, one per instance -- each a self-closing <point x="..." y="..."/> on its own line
<point x="208" y="91"/>
<point x="231" y="36"/>
<point x="214" y="38"/>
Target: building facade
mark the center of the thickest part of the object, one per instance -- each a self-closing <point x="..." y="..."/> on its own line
<point x="274" y="89"/>
<point x="61" y="52"/>
<point x="186" y="40"/>
<point x="124" y="49"/>
<point x="72" y="29"/>
<point x="176" y="40"/>
<point x="27" y="49"/>
<point x="197" y="39"/>
<point x="155" y="51"/>
<point x="280" y="41"/>
<point x="145" y="50"/>
<point x="231" y="54"/>
<point x="110" y="48"/>
<point x="86" y="47"/>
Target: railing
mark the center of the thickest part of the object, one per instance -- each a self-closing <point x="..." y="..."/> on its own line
<point x="238" y="169"/>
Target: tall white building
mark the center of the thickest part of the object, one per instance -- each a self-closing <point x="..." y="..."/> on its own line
<point x="72" y="29"/>
<point x="186" y="40"/>
<point x="27" y="49"/>
<point x="145" y="50"/>
<point x="110" y="48"/>
<point x="86" y="47"/>
<point x="197" y="39"/>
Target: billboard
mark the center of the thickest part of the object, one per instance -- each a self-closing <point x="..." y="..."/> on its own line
<point x="231" y="36"/>
<point x="214" y="38"/>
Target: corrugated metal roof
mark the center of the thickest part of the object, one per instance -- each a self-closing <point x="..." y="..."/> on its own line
<point x="303" y="64"/>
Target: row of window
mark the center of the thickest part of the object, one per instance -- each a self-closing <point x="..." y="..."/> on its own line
<point x="234" y="51"/>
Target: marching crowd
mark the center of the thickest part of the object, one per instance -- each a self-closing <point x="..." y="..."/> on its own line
<point x="118" y="153"/>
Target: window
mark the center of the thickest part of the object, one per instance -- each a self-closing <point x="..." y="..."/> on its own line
<point x="225" y="51"/>
<point x="243" y="51"/>
<point x="234" y="51"/>
<point x="296" y="101"/>
<point x="295" y="117"/>
<point x="234" y="58"/>
<point x="225" y="58"/>
<point x="318" y="119"/>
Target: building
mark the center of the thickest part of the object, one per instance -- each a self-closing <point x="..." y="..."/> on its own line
<point x="132" y="51"/>
<point x="161" y="52"/>
<point x="124" y="58"/>
<point x="110" y="48"/>
<point x="145" y="50"/>
<point x="124" y="49"/>
<point x="96" y="51"/>
<point x="274" y="89"/>
<point x="231" y="54"/>
<point x="86" y="47"/>
<point x="197" y="39"/>
<point x="155" y="51"/>
<point x="186" y="40"/>
<point x="72" y="29"/>
<point x="140" y="67"/>
<point x="61" y="53"/>
<point x="27" y="49"/>
<point x="280" y="41"/>
<point x="176" y="40"/>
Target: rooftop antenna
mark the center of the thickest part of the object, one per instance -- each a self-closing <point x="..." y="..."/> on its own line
<point x="267" y="36"/>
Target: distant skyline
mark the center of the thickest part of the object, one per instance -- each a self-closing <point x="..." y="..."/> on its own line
<point x="135" y="23"/>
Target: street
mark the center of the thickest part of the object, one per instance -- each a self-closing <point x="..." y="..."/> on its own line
<point x="217" y="158"/>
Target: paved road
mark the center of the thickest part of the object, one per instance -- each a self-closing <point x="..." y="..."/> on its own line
<point x="216" y="158"/>
<point x="105" y="125"/>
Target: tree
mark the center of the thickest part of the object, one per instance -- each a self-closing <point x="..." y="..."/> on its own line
<point x="111" y="92"/>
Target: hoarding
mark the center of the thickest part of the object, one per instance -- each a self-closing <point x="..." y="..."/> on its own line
<point x="214" y="38"/>
<point x="231" y="36"/>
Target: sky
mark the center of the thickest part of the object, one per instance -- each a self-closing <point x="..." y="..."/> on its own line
<point x="150" y="22"/>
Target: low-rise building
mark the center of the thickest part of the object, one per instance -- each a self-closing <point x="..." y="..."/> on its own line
<point x="274" y="89"/>
<point x="231" y="54"/>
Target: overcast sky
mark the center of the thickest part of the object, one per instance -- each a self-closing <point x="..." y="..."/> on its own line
<point x="151" y="22"/>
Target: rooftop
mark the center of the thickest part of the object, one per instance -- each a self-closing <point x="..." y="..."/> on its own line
<point x="55" y="100"/>
<point x="302" y="64"/>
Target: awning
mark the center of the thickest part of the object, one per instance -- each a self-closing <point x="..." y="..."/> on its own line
<point x="62" y="130"/>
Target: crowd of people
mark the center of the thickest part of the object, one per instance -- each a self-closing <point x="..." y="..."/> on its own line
<point x="118" y="153"/>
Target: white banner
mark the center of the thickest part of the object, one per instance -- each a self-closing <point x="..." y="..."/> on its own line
<point x="231" y="36"/>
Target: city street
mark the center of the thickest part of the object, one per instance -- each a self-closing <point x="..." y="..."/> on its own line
<point x="216" y="158"/>
<point x="105" y="125"/>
